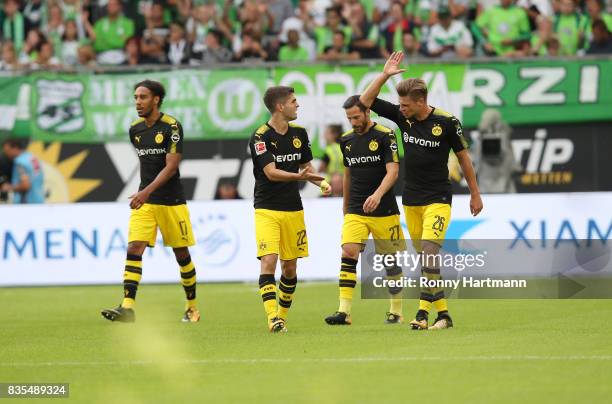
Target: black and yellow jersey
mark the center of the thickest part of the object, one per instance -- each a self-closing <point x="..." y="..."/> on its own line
<point x="427" y="144"/>
<point x="152" y="144"/>
<point x="287" y="151"/>
<point x="366" y="155"/>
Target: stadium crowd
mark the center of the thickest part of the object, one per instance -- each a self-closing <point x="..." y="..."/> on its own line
<point x="40" y="34"/>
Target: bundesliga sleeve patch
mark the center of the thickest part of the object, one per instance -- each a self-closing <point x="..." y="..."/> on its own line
<point x="260" y="148"/>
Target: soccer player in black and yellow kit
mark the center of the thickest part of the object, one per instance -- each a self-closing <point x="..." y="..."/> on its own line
<point x="371" y="168"/>
<point x="428" y="135"/>
<point x="159" y="202"/>
<point x="281" y="157"/>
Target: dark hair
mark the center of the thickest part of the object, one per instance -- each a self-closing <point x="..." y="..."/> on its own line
<point x="275" y="95"/>
<point x="216" y="33"/>
<point x="336" y="130"/>
<point x="340" y="32"/>
<point x="14" y="142"/>
<point x="154" y="87"/>
<point x="352" y="101"/>
<point x="599" y="24"/>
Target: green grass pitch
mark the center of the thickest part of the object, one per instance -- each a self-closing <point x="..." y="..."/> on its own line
<point x="500" y="351"/>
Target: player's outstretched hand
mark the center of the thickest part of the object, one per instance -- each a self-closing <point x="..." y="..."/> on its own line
<point x="392" y="65"/>
<point x="475" y="204"/>
<point x="371" y="203"/>
<point x="138" y="199"/>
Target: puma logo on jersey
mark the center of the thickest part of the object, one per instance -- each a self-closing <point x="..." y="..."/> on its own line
<point x="281" y="158"/>
<point x="362" y="160"/>
<point x="274" y="144"/>
<point x="137" y="138"/>
<point x="348" y="147"/>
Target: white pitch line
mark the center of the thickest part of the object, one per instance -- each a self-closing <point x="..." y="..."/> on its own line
<point x="319" y="360"/>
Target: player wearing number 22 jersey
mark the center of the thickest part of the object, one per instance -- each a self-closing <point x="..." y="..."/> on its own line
<point x="281" y="157"/>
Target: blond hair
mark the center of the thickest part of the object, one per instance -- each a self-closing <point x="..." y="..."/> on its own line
<point x="413" y="88"/>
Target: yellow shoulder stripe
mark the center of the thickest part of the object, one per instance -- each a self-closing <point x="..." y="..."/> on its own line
<point x="441" y="112"/>
<point x="168" y="119"/>
<point x="382" y="128"/>
<point x="262" y="129"/>
<point x="137" y="121"/>
<point x="293" y="125"/>
<point x="348" y="132"/>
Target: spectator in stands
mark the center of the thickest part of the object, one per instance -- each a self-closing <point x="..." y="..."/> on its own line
<point x="69" y="45"/>
<point x="203" y="19"/>
<point x="280" y="11"/>
<point x="503" y="30"/>
<point x="303" y="23"/>
<point x="178" y="48"/>
<point x="155" y="36"/>
<point x="536" y="11"/>
<point x="45" y="59"/>
<point x="332" y="162"/>
<point x="227" y="190"/>
<point x="9" y="57"/>
<point x="27" y="182"/>
<point x="594" y="11"/>
<point x="339" y="51"/>
<point x="86" y="56"/>
<point x="540" y="38"/>
<point x="13" y="26"/>
<point x="553" y="47"/>
<point x="54" y="28"/>
<point x="324" y="35"/>
<point x="132" y="52"/>
<point x="34" y="12"/>
<point x="292" y="51"/>
<point x="602" y="40"/>
<point x="568" y="27"/>
<point x="410" y="47"/>
<point x="251" y="49"/>
<point x="393" y="34"/>
<point x="110" y="33"/>
<point x="366" y="36"/>
<point x="31" y="47"/>
<point x="213" y="51"/>
<point x="449" y="38"/>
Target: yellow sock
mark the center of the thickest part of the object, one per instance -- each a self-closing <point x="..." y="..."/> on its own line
<point x="188" y="280"/>
<point x="267" y="289"/>
<point x="285" y="296"/>
<point x="440" y="302"/>
<point x="131" y="279"/>
<point x="347" y="283"/>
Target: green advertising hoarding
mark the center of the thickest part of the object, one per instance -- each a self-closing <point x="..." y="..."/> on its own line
<point x="227" y="104"/>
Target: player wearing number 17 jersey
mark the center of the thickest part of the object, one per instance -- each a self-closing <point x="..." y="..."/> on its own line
<point x="428" y="135"/>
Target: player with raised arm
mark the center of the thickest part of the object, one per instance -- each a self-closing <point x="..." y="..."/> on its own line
<point x="281" y="158"/>
<point x="160" y="200"/>
<point x="371" y="168"/>
<point x="428" y="135"/>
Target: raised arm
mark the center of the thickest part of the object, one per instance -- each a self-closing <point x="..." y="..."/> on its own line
<point x="391" y="68"/>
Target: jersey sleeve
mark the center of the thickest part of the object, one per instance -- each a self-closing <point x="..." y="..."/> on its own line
<point x="386" y="109"/>
<point x="306" y="150"/>
<point x="456" y="139"/>
<point x="175" y="142"/>
<point x="389" y="149"/>
<point x="260" y="150"/>
<point x="342" y="143"/>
